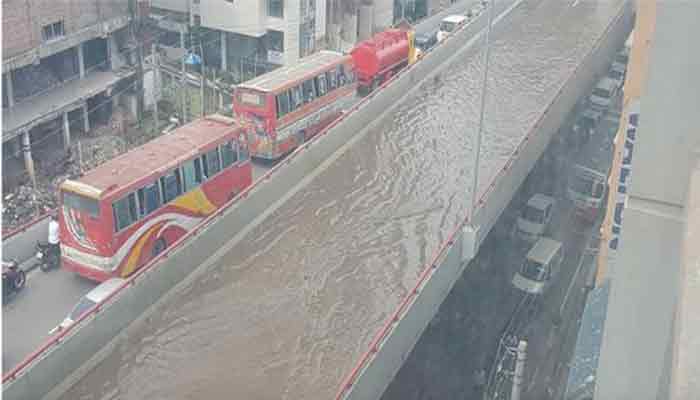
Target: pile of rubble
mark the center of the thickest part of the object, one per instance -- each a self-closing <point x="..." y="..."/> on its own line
<point x="25" y="202"/>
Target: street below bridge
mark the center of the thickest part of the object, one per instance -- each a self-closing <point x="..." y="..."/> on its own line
<point x="463" y="336"/>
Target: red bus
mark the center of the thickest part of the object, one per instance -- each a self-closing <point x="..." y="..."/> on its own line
<point x="290" y="105"/>
<point x="120" y="215"/>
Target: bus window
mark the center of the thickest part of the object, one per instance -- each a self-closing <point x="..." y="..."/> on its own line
<point x="296" y="98"/>
<point x="229" y="154"/>
<point x="309" y="92"/>
<point x="171" y="186"/>
<point x="332" y="80"/>
<point x="124" y="212"/>
<point x="282" y="104"/>
<point x="82" y="204"/>
<point x="149" y="199"/>
<point x="190" y="176"/>
<point x="212" y="165"/>
<point x="321" y="84"/>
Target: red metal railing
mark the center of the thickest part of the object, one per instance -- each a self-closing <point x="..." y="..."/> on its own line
<point x="388" y="326"/>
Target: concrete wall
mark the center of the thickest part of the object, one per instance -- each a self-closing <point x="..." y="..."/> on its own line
<point x="365" y="22"/>
<point x="22" y="20"/>
<point x="383" y="14"/>
<point x="245" y="17"/>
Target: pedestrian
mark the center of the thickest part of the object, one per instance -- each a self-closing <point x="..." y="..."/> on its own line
<point x="54" y="244"/>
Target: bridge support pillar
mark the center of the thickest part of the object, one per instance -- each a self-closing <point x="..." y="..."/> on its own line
<point x="28" y="160"/>
<point x="86" y="118"/>
<point x="66" y="131"/>
<point x="224" y="51"/>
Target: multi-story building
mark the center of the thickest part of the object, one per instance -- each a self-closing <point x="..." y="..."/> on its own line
<point x="62" y="62"/>
<point x="251" y="33"/>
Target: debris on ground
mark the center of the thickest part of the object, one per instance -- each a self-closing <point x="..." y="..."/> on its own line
<point x="24" y="202"/>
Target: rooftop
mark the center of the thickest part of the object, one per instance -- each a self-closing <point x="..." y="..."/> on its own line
<point x="307" y="66"/>
<point x="159" y="154"/>
<point x="45" y="107"/>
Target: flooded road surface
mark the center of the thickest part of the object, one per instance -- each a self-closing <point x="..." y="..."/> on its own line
<point x="287" y="312"/>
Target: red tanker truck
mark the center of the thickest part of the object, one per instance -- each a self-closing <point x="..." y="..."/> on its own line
<point x="377" y="59"/>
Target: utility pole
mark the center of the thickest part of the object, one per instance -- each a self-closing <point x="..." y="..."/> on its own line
<point x="203" y="78"/>
<point x="183" y="78"/>
<point x="519" y="371"/>
<point x="480" y="132"/>
<point x="135" y="37"/>
<point x="156" y="85"/>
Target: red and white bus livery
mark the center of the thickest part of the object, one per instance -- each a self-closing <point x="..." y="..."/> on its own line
<point x="290" y="105"/>
<point x="120" y="215"/>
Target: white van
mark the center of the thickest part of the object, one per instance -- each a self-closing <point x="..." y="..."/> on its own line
<point x="535" y="217"/>
<point x="540" y="268"/>
<point x="450" y="24"/>
<point x="87" y="302"/>
<point x="602" y="95"/>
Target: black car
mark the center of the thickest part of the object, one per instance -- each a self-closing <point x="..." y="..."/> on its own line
<point x="425" y="41"/>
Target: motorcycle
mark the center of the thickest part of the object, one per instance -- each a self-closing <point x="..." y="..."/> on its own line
<point x="47" y="258"/>
<point x="13" y="278"/>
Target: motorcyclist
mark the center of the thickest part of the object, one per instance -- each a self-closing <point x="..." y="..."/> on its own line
<point x="54" y="244"/>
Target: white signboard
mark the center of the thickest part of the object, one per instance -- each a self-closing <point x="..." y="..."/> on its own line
<point x="275" y="57"/>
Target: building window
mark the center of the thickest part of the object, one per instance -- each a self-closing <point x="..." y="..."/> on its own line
<point x="275" y="8"/>
<point x="52" y="31"/>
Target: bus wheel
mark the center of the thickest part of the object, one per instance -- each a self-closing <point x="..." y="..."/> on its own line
<point x="158" y="247"/>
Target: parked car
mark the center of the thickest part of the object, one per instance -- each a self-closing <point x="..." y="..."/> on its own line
<point x="93" y="297"/>
<point x="617" y="74"/>
<point x="535" y="217"/>
<point x="426" y="41"/>
<point x="450" y="24"/>
<point x="603" y="94"/>
<point x="540" y="267"/>
<point x="586" y="124"/>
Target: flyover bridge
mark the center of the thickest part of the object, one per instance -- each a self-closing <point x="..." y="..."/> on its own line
<point x="318" y="281"/>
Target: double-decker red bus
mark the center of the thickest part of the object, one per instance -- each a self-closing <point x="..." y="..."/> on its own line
<point x="290" y="105"/>
<point x="123" y="213"/>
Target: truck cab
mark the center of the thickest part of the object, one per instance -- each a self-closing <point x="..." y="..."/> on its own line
<point x="586" y="123"/>
<point x="450" y="24"/>
<point x="535" y="218"/>
<point x="540" y="267"/>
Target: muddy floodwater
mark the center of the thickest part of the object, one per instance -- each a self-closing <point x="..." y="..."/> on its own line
<point x="287" y="312"/>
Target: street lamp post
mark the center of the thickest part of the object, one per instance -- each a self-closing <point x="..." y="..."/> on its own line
<point x="480" y="131"/>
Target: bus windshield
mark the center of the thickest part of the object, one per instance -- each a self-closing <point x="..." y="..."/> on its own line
<point x="533" y="270"/>
<point x="533" y="214"/>
<point x="81" y="203"/>
<point x="447" y="26"/>
<point x="251" y="98"/>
